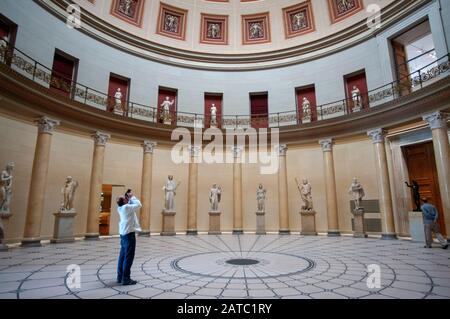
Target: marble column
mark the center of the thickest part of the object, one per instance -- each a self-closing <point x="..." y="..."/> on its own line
<point x="330" y="184"/>
<point x="438" y="125"/>
<point x="192" y="191"/>
<point x="36" y="197"/>
<point x="283" y="206"/>
<point x="146" y="187"/>
<point x="95" y="190"/>
<point x="384" y="186"/>
<point x="237" y="190"/>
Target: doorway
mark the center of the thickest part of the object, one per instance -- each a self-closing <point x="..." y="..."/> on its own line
<point x="422" y="168"/>
<point x="105" y="214"/>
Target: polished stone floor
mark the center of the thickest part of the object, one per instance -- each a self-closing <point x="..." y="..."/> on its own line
<point x="227" y="266"/>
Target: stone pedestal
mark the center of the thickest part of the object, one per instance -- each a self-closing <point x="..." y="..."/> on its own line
<point x="260" y="223"/>
<point x="168" y="223"/>
<point x="306" y="119"/>
<point x="214" y="223"/>
<point x="416" y="229"/>
<point x="356" y="109"/>
<point x="168" y="122"/>
<point x="4" y="218"/>
<point x="358" y="221"/>
<point x="63" y="230"/>
<point x="308" y="219"/>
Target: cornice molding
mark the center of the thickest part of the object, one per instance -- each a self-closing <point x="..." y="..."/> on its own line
<point x="111" y="35"/>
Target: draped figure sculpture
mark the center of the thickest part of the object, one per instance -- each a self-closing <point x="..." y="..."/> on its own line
<point x="305" y="194"/>
<point x="261" y="198"/>
<point x="357" y="192"/>
<point x="68" y="191"/>
<point x="170" y="191"/>
<point x="214" y="197"/>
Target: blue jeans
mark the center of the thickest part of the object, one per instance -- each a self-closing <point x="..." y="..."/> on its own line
<point x="126" y="257"/>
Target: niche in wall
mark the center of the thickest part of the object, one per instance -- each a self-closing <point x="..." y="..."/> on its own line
<point x="64" y="73"/>
<point x="216" y="99"/>
<point x="118" y="103"/>
<point x="259" y="109"/>
<point x="8" y="31"/>
<point x="358" y="80"/>
<point x="308" y="92"/>
<point x="172" y="95"/>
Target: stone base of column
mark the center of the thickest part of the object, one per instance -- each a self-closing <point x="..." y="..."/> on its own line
<point x="238" y="232"/>
<point x="144" y="233"/>
<point x="388" y="236"/>
<point x="214" y="223"/>
<point x="168" y="223"/>
<point x="284" y="232"/>
<point x="192" y="232"/>
<point x="308" y="219"/>
<point x="358" y="221"/>
<point x="31" y="242"/>
<point x="333" y="233"/>
<point x="93" y="236"/>
<point x="260" y="223"/>
<point x="63" y="229"/>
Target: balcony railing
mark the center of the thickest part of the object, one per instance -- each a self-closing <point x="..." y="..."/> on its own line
<point x="37" y="72"/>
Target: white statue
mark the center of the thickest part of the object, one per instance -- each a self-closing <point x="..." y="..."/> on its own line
<point x="299" y="21"/>
<point x="305" y="193"/>
<point x="214" y="31"/>
<point x="356" y="97"/>
<point x="126" y="7"/>
<point x="357" y="192"/>
<point x="256" y="31"/>
<point x="165" y="107"/>
<point x="261" y="198"/>
<point x="68" y="191"/>
<point x="171" y="23"/>
<point x="6" y="180"/>
<point x="118" y="97"/>
<point x="214" y="197"/>
<point x="170" y="192"/>
<point x="306" y="107"/>
<point x="213" y="115"/>
<point x="345" y="5"/>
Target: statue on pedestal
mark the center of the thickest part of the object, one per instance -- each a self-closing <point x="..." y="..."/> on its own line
<point x="357" y="192"/>
<point x="170" y="191"/>
<point x="118" y="98"/>
<point x="305" y="193"/>
<point x="68" y="191"/>
<point x="213" y="115"/>
<point x="356" y="97"/>
<point x="214" y="197"/>
<point x="416" y="194"/>
<point x="306" y="107"/>
<point x="6" y="180"/>
<point x="165" y="109"/>
<point x="261" y="198"/>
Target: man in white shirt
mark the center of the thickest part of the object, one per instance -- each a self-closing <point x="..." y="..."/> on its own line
<point x="128" y="225"/>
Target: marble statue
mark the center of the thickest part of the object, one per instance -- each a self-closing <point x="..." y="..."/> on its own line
<point x="68" y="191"/>
<point x="305" y="193"/>
<point x="261" y="198"/>
<point x="256" y="30"/>
<point x="126" y="6"/>
<point x="165" y="107"/>
<point x="416" y="194"/>
<point x="118" y="97"/>
<point x="213" y="115"/>
<point x="356" y="97"/>
<point x="214" y="197"/>
<point x="6" y="180"/>
<point x="214" y="31"/>
<point x="306" y="107"/>
<point x="170" y="191"/>
<point x="171" y="23"/>
<point x="299" y="21"/>
<point x="357" y="192"/>
<point x="345" y="5"/>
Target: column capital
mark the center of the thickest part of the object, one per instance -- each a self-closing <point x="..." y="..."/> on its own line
<point x="100" y="138"/>
<point x="46" y="125"/>
<point x="377" y="135"/>
<point x="436" y="120"/>
<point x="327" y="144"/>
<point x="149" y="146"/>
<point x="237" y="151"/>
<point x="282" y="149"/>
<point x="194" y="150"/>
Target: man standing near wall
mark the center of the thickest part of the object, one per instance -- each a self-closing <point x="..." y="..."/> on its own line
<point x="430" y="223"/>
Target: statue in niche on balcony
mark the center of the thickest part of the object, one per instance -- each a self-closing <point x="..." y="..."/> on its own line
<point x="261" y="198"/>
<point x="214" y="31"/>
<point x="215" y="196"/>
<point x="416" y="194"/>
<point x="6" y="180"/>
<point x="345" y="5"/>
<point x="126" y="7"/>
<point x="68" y="191"/>
<point x="306" y="107"/>
<point x="165" y="109"/>
<point x="299" y="21"/>
<point x="256" y="30"/>
<point x="170" y="191"/>
<point x="305" y="194"/>
<point x="356" y="97"/>
<point x="213" y="115"/>
<point x="357" y="192"/>
<point x="171" y="23"/>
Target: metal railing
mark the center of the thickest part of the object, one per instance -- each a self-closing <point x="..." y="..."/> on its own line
<point x="39" y="73"/>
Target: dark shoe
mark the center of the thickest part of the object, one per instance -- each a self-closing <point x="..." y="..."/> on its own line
<point x="426" y="246"/>
<point x="445" y="247"/>
<point x="129" y="282"/>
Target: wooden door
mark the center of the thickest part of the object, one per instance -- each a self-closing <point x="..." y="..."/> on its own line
<point x="422" y="168"/>
<point x="401" y="68"/>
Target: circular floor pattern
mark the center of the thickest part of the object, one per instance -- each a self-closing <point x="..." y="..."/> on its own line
<point x="179" y="267"/>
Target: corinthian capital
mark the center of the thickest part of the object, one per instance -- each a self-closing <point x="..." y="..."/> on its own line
<point x="327" y="144"/>
<point x="282" y="149"/>
<point x="436" y="120"/>
<point x="46" y="125"/>
<point x="100" y="139"/>
<point x="149" y="146"/>
<point x="377" y="135"/>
